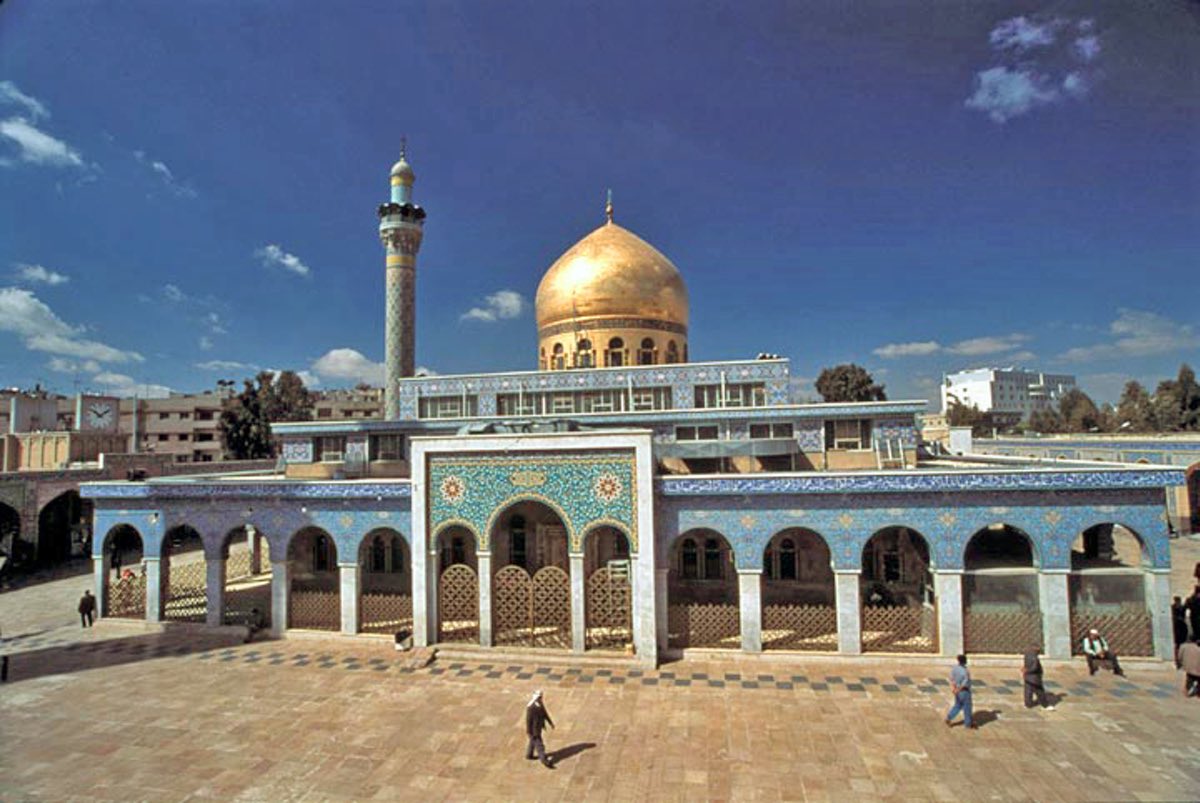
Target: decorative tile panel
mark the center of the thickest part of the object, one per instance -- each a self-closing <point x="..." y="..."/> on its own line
<point x="298" y="451"/>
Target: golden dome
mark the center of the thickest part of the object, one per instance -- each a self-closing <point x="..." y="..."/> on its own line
<point x="612" y="273"/>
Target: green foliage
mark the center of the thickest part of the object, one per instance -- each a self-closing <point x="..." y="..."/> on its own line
<point x="246" y="419"/>
<point x="1078" y="412"/>
<point x="1174" y="407"/>
<point x="1135" y="412"/>
<point x="848" y="383"/>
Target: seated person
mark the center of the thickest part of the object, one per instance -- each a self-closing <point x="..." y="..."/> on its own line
<point x="1095" y="649"/>
<point x="254" y="623"/>
<point x="1188" y="658"/>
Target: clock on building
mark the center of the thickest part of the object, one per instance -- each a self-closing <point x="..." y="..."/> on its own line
<point x="100" y="414"/>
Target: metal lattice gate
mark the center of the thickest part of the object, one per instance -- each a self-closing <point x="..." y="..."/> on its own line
<point x="531" y="611"/>
<point x="1004" y="632"/>
<point x="609" y="612"/>
<point x="127" y="597"/>
<point x="899" y="628"/>
<point x="185" y="600"/>
<point x="800" y="627"/>
<point x="458" y="605"/>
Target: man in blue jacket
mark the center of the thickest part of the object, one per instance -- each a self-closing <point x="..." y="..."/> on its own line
<point x="960" y="684"/>
<point x="1096" y="650"/>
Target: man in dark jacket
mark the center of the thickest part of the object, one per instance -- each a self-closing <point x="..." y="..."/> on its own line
<point x="87" y="608"/>
<point x="1035" y="689"/>
<point x="536" y="718"/>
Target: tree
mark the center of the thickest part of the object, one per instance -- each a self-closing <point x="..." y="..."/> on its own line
<point x="1078" y="412"/>
<point x="1176" y="402"/>
<point x="246" y="418"/>
<point x="960" y="415"/>
<point x="1135" y="413"/>
<point x="1047" y="421"/>
<point x="848" y="383"/>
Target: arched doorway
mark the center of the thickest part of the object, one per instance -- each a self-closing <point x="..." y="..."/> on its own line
<point x="246" y="590"/>
<point x="798" y="612"/>
<point x="531" y="587"/>
<point x="10" y="534"/>
<point x="458" y="586"/>
<point x="702" y="592"/>
<point x="898" y="605"/>
<point x="125" y="583"/>
<point x="1193" y="499"/>
<point x="184" y="575"/>
<point x="1001" y="602"/>
<point x="1108" y="589"/>
<point x="385" y="596"/>
<point x="63" y="529"/>
<point x="608" y="602"/>
<point x="314" y="598"/>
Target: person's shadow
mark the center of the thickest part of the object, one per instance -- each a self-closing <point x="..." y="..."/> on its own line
<point x="563" y="753"/>
<point x="984" y="716"/>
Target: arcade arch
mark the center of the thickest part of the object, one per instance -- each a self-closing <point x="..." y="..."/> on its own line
<point x="458" y="586"/>
<point x="1001" y="599"/>
<point x="385" y="593"/>
<point x="1108" y="589"/>
<point x="798" y="610"/>
<point x="184" y="575"/>
<point x="899" y="612"/>
<point x="608" y="595"/>
<point x="125" y="577"/>
<point x="10" y="530"/>
<point x="247" y="586"/>
<point x="63" y="529"/>
<point x="531" y="587"/>
<point x="702" y="592"/>
<point x="314" y="598"/>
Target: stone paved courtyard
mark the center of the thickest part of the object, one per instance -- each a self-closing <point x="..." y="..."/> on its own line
<point x="122" y="713"/>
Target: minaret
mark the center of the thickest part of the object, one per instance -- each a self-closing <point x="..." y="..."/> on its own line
<point x="400" y="227"/>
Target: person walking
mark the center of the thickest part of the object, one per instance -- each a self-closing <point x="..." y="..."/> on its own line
<point x="960" y="684"/>
<point x="1035" y="688"/>
<point x="1096" y="650"/>
<point x="1188" y="659"/>
<point x="87" y="609"/>
<point x="1179" y="626"/>
<point x="536" y="718"/>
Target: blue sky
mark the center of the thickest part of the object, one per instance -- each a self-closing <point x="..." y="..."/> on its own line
<point x="187" y="190"/>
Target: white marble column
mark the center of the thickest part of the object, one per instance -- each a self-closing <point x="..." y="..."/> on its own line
<point x="1055" y="602"/>
<point x="948" y="588"/>
<point x="849" y="612"/>
<point x="281" y="579"/>
<point x="661" y="603"/>
<point x="100" y="570"/>
<point x="750" y="607"/>
<point x="645" y="608"/>
<point x="154" y="589"/>
<point x="485" y="598"/>
<point x="1158" y="602"/>
<point x="349" y="577"/>
<point x="214" y="592"/>
<point x="424" y="597"/>
<point x="578" y="600"/>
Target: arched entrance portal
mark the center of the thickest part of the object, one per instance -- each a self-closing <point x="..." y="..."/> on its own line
<point x="531" y="587"/>
<point x="458" y="586"/>
<point x="386" y="596"/>
<point x="314" y="599"/>
<point x="702" y="593"/>
<point x="898" y="606"/>
<point x="125" y="584"/>
<point x="63" y="530"/>
<point x="608" y="604"/>
<point x="1108" y="590"/>
<point x="1001" y="609"/>
<point x="184" y="575"/>
<point x="798" y="593"/>
<point x="247" y="587"/>
<point x="10" y="533"/>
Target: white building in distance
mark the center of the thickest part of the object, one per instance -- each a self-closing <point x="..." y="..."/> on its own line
<point x="1010" y="393"/>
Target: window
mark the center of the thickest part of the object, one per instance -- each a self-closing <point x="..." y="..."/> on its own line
<point x="378" y="555"/>
<point x="449" y="407"/>
<point x="324" y="412"/>
<point x="787" y="559"/>
<point x="614" y="357"/>
<point x="204" y="415"/>
<point x="162" y="436"/>
<point x="321" y="559"/>
<point x="690" y="564"/>
<point x="703" y="433"/>
<point x="562" y="403"/>
<point x="646" y="352"/>
<point x="204" y="436"/>
<point x="330" y="448"/>
<point x="184" y="416"/>
<point x="736" y="395"/>
<point x="163" y="416"/>
<point x="712" y="559"/>
<point x="766" y="431"/>
<point x="672" y="352"/>
<point x="848" y="434"/>
<point x="585" y="357"/>
<point x="516" y="404"/>
<point x="558" y="359"/>
<point x="397" y="556"/>
<point x="516" y="529"/>
<point x="387" y="447"/>
<point x="183" y="436"/>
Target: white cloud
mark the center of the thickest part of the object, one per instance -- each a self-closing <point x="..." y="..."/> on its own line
<point x="23" y="314"/>
<point x="160" y="169"/>
<point x="972" y="347"/>
<point x="40" y="274"/>
<point x="1021" y="358"/>
<point x="173" y="293"/>
<point x="1021" y="33"/>
<point x="1138" y="334"/>
<point x="500" y="305"/>
<point x="205" y="343"/>
<point x="214" y="323"/>
<point x="1005" y="93"/>
<point x="917" y="349"/>
<point x="348" y="364"/>
<point x="225" y="365"/>
<point x="38" y="147"/>
<point x="123" y="385"/>
<point x="1075" y="85"/>
<point x="11" y="95"/>
<point x="1087" y="48"/>
<point x="273" y="255"/>
<point x="65" y="366"/>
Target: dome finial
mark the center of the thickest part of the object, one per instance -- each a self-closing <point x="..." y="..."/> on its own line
<point x="608" y="207"/>
<point x="403" y="147"/>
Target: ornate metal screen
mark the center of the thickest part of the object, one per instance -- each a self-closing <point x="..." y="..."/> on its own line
<point x="387" y="613"/>
<point x="458" y="605"/>
<point x="1012" y="631"/>
<point x="704" y="625"/>
<point x="242" y="598"/>
<point x="315" y="610"/>
<point x="532" y="611"/>
<point x="1128" y="632"/>
<point x="800" y="627"/>
<point x="609" y="610"/>
<point x="899" y="628"/>
<point x="127" y="597"/>
<point x="185" y="599"/>
<point x="238" y="565"/>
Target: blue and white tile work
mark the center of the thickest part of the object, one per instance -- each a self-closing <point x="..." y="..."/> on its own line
<point x="586" y="490"/>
